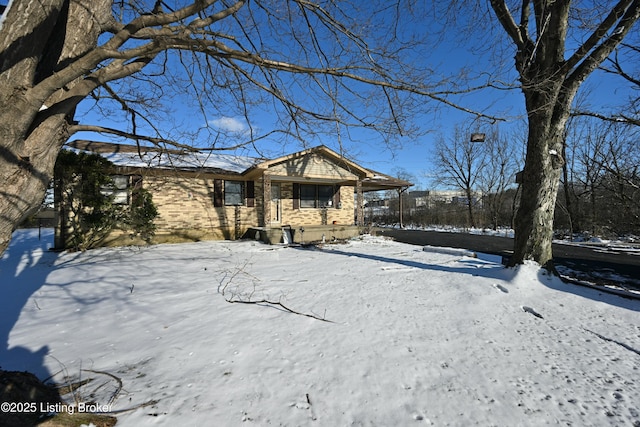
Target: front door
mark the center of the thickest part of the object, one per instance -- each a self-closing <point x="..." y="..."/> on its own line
<point x="276" y="204"/>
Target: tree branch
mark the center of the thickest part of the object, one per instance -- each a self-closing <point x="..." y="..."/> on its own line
<point x="235" y="300"/>
<point x="601" y="52"/>
<point x="617" y="69"/>
<point x="158" y="142"/>
<point x="614" y="119"/>
<point x="508" y="23"/>
<point x="598" y="35"/>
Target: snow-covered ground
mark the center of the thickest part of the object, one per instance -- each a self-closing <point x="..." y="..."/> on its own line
<point x="629" y="244"/>
<point x="500" y="232"/>
<point x="413" y="337"/>
<point x="605" y="277"/>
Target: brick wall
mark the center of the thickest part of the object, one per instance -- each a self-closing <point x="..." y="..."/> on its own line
<point x="186" y="210"/>
<point x="313" y="216"/>
<point x="185" y="204"/>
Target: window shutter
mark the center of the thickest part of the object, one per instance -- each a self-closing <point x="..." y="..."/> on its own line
<point x="251" y="194"/>
<point x="217" y="192"/>
<point x="336" y="196"/>
<point x="296" y="195"/>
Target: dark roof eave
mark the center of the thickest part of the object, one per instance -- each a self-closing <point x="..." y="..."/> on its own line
<point x="194" y="170"/>
<point x="368" y="188"/>
<point x="385" y="182"/>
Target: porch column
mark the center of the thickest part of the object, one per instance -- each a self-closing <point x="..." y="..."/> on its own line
<point x="359" y="204"/>
<point x="266" y="200"/>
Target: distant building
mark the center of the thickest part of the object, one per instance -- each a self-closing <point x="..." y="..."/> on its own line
<point x="420" y="199"/>
<point x="428" y="199"/>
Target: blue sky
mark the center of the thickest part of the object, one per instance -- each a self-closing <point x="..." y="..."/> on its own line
<point x="410" y="153"/>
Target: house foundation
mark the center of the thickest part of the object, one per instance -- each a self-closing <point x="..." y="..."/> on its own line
<point x="302" y="234"/>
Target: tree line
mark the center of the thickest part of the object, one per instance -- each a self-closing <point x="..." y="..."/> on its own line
<point x="599" y="192"/>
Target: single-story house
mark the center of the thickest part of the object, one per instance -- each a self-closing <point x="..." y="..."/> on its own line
<point x="206" y="195"/>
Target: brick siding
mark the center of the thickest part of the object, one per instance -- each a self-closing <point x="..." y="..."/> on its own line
<point x="313" y="216"/>
<point x="186" y="203"/>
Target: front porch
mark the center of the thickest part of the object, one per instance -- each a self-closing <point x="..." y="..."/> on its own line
<point x="313" y="190"/>
<point x="302" y="234"/>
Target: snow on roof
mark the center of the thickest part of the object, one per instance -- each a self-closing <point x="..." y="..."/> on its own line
<point x="188" y="160"/>
<point x="132" y="156"/>
<point x="151" y="157"/>
<point x="380" y="181"/>
<point x="380" y="177"/>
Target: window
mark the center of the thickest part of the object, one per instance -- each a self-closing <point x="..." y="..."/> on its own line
<point x="325" y="196"/>
<point x="118" y="190"/>
<point x="308" y="196"/>
<point x="233" y="193"/>
<point x="316" y="196"/>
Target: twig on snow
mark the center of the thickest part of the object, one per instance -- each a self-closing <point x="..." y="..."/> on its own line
<point x="133" y="408"/>
<point x="244" y="298"/>
<point x="621" y="344"/>
<point x="118" y="380"/>
<point x="235" y="300"/>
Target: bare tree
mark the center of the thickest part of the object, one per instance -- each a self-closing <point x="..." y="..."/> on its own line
<point x="601" y="185"/>
<point x="501" y="165"/>
<point x="620" y="162"/>
<point x="550" y="72"/>
<point x="582" y="171"/>
<point x="309" y="63"/>
<point x="459" y="163"/>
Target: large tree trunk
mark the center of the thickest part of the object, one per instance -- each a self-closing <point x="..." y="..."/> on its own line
<point x="37" y="39"/>
<point x="548" y="105"/>
<point x="25" y="174"/>
<point x="534" y="217"/>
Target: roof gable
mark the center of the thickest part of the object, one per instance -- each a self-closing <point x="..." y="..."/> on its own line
<point x="315" y="162"/>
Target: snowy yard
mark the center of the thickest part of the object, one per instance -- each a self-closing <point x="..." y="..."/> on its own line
<point x="415" y="337"/>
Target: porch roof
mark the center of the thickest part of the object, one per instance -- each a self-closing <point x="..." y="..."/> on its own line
<point x="376" y="182"/>
<point x="380" y="181"/>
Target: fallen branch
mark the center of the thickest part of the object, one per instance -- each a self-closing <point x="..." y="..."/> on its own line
<point x="276" y="304"/>
<point x="244" y="297"/>
<point x="312" y="413"/>
<point x="611" y="340"/>
<point x="114" y="397"/>
<point x="229" y="277"/>
<point x="133" y="408"/>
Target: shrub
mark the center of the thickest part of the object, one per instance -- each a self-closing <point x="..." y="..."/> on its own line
<point x="85" y="193"/>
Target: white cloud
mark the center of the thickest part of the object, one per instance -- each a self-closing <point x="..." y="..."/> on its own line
<point x="229" y="124"/>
